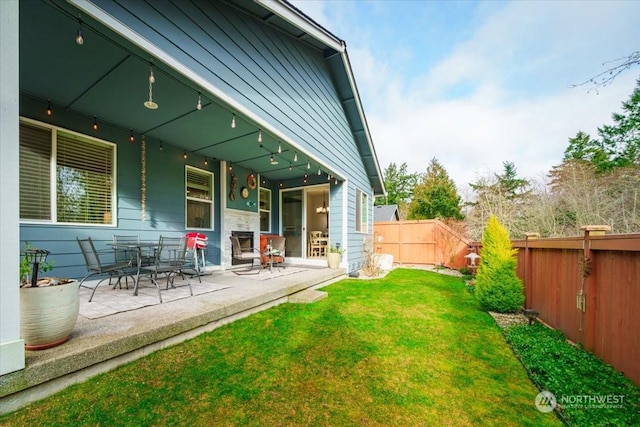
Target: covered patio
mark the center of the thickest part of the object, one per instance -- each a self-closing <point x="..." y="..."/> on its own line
<point x="101" y="342"/>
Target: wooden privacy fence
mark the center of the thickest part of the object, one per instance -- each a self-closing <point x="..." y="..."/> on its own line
<point x="429" y="242"/>
<point x="589" y="288"/>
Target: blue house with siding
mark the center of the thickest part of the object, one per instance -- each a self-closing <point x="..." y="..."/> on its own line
<point x="162" y="118"/>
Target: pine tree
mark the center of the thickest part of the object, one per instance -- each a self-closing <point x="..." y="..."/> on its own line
<point x="436" y="196"/>
<point x="498" y="288"/>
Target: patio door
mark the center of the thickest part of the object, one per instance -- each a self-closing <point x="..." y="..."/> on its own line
<point x="292" y="222"/>
<point x="304" y="210"/>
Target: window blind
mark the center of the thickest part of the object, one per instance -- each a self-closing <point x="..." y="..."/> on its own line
<point x="35" y="173"/>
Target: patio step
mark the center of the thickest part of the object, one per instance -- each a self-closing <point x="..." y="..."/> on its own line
<point x="307" y="296"/>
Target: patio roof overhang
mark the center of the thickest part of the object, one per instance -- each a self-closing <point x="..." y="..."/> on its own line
<point x="106" y="80"/>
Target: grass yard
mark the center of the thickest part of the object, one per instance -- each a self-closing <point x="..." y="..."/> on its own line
<point x="410" y="349"/>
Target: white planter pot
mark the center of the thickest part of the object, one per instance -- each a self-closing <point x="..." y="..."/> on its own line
<point x="333" y="259"/>
<point x="48" y="314"/>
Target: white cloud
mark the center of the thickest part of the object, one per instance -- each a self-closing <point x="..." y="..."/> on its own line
<point x="501" y="94"/>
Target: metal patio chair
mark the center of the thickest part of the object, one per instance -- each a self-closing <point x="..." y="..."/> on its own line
<point x="245" y="254"/>
<point x="170" y="260"/>
<point x="94" y="261"/>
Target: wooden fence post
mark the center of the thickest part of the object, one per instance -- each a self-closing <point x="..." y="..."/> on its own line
<point x="527" y="268"/>
<point x="586" y="300"/>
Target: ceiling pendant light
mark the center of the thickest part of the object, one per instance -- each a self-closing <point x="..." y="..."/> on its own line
<point x="305" y="178"/>
<point x="281" y="184"/>
<point x="150" y="104"/>
<point x="184" y="155"/>
<point x="95" y="123"/>
<point x="79" y="37"/>
<point x="206" y="161"/>
<point x="295" y="157"/>
<point x="319" y="171"/>
<point x="233" y="121"/>
<point x="161" y="147"/>
<point x="199" y="104"/>
<point x="279" y="147"/>
<point x="230" y="166"/>
<point x="49" y="110"/>
<point x="308" y="165"/>
<point x="289" y="166"/>
<point x="328" y="176"/>
<point x="131" y="137"/>
<point x="336" y="181"/>
<point x="259" y="135"/>
<point x="273" y="160"/>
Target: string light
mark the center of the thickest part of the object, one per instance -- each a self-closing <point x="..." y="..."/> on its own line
<point x="328" y="176"/>
<point x="233" y="121"/>
<point x="279" y="147"/>
<point x="281" y="184"/>
<point x="289" y="166"/>
<point x="199" y="104"/>
<point x="161" y="147"/>
<point x="184" y="155"/>
<point x="230" y="166"/>
<point x="49" y="111"/>
<point x="79" y="37"/>
<point x="131" y="137"/>
<point x="95" y="123"/>
<point x="305" y="178"/>
<point x="295" y="157"/>
<point x="206" y="161"/>
<point x="308" y="165"/>
<point x="319" y="171"/>
<point x="259" y="135"/>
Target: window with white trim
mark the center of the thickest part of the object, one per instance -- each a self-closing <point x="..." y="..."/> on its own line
<point x="265" y="210"/>
<point x="199" y="198"/>
<point x="362" y="211"/>
<point x="65" y="177"/>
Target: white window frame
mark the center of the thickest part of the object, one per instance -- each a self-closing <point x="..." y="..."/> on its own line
<point x="260" y="210"/>
<point x="362" y="211"/>
<point x="198" y="199"/>
<point x="110" y="218"/>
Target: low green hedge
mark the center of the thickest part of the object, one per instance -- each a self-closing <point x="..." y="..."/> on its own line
<point x="588" y="391"/>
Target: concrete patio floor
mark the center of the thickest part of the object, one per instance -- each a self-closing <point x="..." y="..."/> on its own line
<point x="117" y="327"/>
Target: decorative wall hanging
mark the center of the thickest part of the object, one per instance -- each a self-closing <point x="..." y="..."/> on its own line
<point x="143" y="179"/>
<point x="232" y="193"/>
<point x="244" y="192"/>
<point x="251" y="181"/>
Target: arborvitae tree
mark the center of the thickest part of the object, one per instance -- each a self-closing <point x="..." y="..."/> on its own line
<point x="436" y="196"/>
<point x="498" y="288"/>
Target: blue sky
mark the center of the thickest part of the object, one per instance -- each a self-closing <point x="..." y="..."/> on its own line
<point x="475" y="84"/>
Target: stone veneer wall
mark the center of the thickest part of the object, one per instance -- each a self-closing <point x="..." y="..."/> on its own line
<point x="235" y="220"/>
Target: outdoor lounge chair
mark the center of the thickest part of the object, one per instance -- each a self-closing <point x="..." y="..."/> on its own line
<point x="96" y="265"/>
<point x="244" y="255"/>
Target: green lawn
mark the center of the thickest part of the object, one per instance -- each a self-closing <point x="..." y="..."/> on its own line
<point x="410" y="349"/>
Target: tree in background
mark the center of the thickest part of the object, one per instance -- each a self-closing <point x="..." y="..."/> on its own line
<point x="436" y="196"/>
<point x="498" y="288"/>
<point x="618" y="145"/>
<point x="502" y="195"/>
<point x="400" y="185"/>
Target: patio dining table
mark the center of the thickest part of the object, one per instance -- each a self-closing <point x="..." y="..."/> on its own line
<point x="138" y="247"/>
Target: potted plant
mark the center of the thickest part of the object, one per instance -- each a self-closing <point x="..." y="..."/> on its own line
<point x="48" y="306"/>
<point x="334" y="256"/>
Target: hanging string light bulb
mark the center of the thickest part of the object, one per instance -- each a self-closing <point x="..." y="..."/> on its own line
<point x="295" y="157"/>
<point x="150" y="104"/>
<point x="279" y="147"/>
<point x="95" y="123"/>
<point x="308" y="165"/>
<point x="233" y="121"/>
<point x="319" y="171"/>
<point x="131" y="137"/>
<point x="184" y="155"/>
<point x="49" y="110"/>
<point x="199" y="104"/>
<point x="79" y="37"/>
<point x="206" y="161"/>
<point x="259" y="135"/>
<point x="328" y="176"/>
